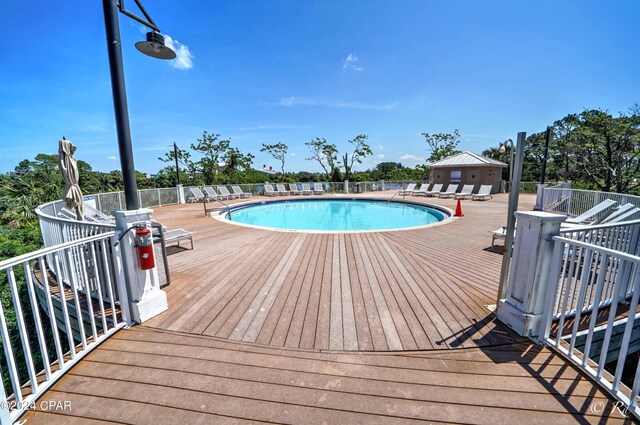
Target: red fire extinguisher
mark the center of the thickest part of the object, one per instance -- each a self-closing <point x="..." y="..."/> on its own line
<point x="144" y="247"/>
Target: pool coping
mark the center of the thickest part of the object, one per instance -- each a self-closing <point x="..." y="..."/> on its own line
<point x="219" y="215"/>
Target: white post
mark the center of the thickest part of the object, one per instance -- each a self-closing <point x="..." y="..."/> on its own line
<point x="146" y="299"/>
<point x="522" y="309"/>
<point x="539" y="197"/>
<point x="381" y="185"/>
<point x="346" y="186"/>
<point x="180" y="194"/>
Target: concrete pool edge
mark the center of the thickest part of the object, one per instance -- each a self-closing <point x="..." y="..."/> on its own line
<point x="220" y="215"/>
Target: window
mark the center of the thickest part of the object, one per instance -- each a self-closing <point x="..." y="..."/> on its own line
<point x="456" y="176"/>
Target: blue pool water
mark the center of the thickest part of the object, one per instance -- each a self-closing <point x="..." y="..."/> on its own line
<point x="336" y="214"/>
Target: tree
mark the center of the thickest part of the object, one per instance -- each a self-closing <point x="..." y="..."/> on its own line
<point x="237" y="161"/>
<point x="609" y="149"/>
<point x="278" y="151"/>
<point x="212" y="149"/>
<point x="387" y="167"/>
<point x="360" y="150"/>
<point x="324" y="153"/>
<point x="442" y="145"/>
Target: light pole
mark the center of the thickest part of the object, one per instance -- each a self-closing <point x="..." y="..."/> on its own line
<point x="175" y="154"/>
<point x="503" y="149"/>
<point x="154" y="47"/>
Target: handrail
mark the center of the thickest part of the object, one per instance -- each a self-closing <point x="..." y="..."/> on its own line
<point x="394" y="195"/>
<point x="48" y="250"/>
<point x="74" y="322"/>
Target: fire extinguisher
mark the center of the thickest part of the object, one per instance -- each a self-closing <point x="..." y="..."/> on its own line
<point x="144" y="247"/>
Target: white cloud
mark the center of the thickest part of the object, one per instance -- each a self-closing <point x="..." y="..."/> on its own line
<point x="112" y="158"/>
<point x="380" y="156"/>
<point x="184" y="58"/>
<point x="381" y="147"/>
<point x="351" y="63"/>
<point x="295" y="100"/>
<point x="410" y="157"/>
<point x="293" y="154"/>
<point x="97" y="128"/>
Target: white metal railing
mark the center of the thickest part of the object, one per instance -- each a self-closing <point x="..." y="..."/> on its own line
<point x="574" y="202"/>
<point x="587" y="277"/>
<point x="76" y="322"/>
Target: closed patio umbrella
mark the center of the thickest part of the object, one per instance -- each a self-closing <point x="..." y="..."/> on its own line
<point x="69" y="168"/>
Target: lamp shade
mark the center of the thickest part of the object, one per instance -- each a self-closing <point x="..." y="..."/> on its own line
<point x="154" y="46"/>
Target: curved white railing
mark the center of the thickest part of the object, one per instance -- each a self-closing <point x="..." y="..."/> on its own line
<point x="76" y="322"/>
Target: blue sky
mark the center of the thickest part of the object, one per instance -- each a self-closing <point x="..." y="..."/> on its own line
<point x="268" y="71"/>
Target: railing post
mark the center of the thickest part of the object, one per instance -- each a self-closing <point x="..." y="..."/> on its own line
<point x="523" y="308"/>
<point x="346" y="186"/>
<point x="146" y="299"/>
<point x="381" y="185"/>
<point x="540" y="197"/>
<point x="5" y="417"/>
<point x="180" y="194"/>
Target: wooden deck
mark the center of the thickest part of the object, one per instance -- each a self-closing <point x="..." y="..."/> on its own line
<point x="284" y="327"/>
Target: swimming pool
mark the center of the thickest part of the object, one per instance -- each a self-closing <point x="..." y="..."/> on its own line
<point x="336" y="215"/>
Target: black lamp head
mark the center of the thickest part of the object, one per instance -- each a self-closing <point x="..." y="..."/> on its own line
<point x="154" y="46"/>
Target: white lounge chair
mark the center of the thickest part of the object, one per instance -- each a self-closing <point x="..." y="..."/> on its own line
<point x="293" y="188"/>
<point x="622" y="217"/>
<point x="225" y="192"/>
<point x="407" y="191"/>
<point x="268" y="190"/>
<point x="212" y="193"/>
<point x="449" y="191"/>
<point x="318" y="189"/>
<point x="592" y="212"/>
<point x="306" y="189"/>
<point x="613" y="213"/>
<point x="483" y="193"/>
<point x="467" y="190"/>
<point x="240" y="193"/>
<point x="281" y="189"/>
<point x="196" y="195"/>
<point x="424" y="188"/>
<point x="434" y="190"/>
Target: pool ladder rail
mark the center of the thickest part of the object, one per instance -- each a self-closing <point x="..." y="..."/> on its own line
<point x="208" y="210"/>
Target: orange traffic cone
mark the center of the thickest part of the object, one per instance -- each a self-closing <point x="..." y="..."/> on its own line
<point x="458" y="210"/>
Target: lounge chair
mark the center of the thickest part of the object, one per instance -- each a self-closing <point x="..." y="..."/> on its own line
<point x="622" y="217"/>
<point x="449" y="191"/>
<point x="225" y="192"/>
<point x="281" y="189"/>
<point x="293" y="188"/>
<point x="590" y="214"/>
<point x="318" y="189"/>
<point x="467" y="190"/>
<point x="424" y="187"/>
<point x="483" y="193"/>
<point x="434" y="190"/>
<point x="407" y="191"/>
<point x="213" y="194"/>
<point x="306" y="189"/>
<point x="268" y="190"/>
<point x="240" y="193"/>
<point x="613" y="213"/>
<point x="196" y="195"/>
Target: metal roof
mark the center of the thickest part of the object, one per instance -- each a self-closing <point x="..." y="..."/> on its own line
<point x="467" y="159"/>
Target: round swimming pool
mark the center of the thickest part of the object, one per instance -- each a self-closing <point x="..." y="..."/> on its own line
<point x="336" y="215"/>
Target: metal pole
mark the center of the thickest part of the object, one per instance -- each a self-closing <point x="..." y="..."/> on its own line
<point x="511" y="217"/>
<point x="543" y="171"/>
<point x="120" y="104"/>
<point x="175" y="154"/>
